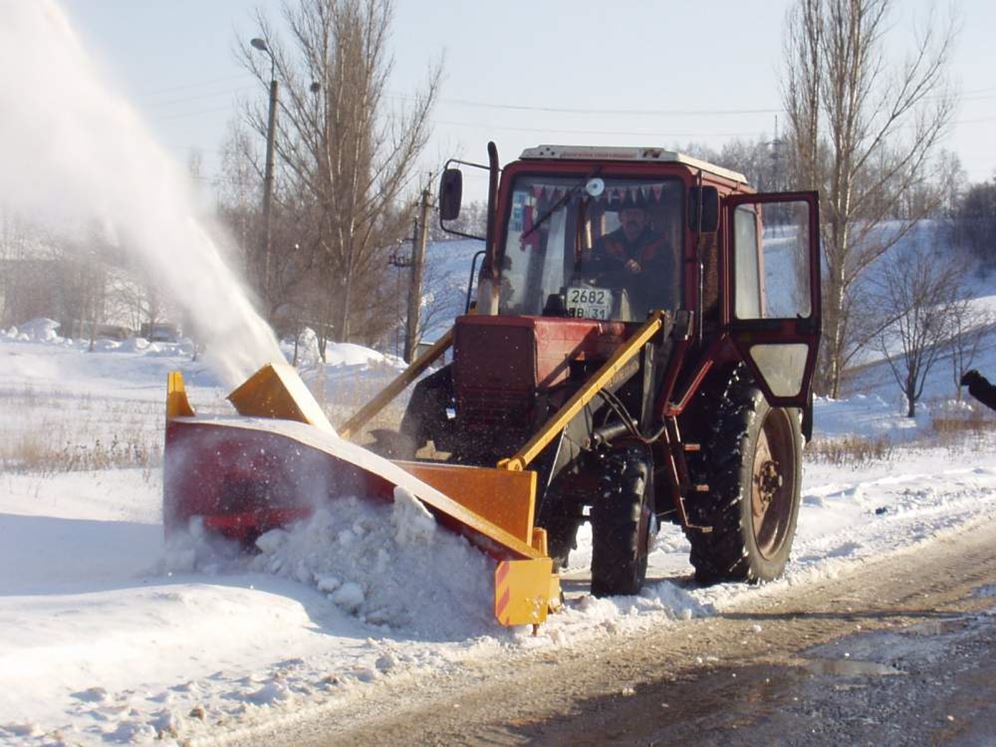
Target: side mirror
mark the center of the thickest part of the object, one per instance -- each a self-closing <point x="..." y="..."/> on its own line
<point x="703" y="209"/>
<point x="450" y="194"/>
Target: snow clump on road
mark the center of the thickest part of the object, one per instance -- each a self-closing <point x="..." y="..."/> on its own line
<point x="390" y="566"/>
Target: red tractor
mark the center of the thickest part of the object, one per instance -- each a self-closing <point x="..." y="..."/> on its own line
<point x="644" y="337"/>
<point x="641" y="350"/>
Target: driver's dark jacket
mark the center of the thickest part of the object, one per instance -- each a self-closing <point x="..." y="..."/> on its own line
<point x="613" y="250"/>
<point x="652" y="251"/>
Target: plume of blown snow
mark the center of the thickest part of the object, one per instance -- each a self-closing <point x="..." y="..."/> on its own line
<point x="75" y="152"/>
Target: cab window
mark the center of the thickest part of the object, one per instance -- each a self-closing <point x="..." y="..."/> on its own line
<point x="605" y="250"/>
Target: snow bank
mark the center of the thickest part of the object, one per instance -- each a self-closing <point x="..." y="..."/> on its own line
<point x="390" y="566"/>
<point x="36" y="330"/>
<point x="338" y="355"/>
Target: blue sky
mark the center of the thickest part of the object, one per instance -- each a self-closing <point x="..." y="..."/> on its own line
<point x="521" y="73"/>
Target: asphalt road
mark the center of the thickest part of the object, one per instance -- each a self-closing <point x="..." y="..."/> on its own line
<point x="899" y="651"/>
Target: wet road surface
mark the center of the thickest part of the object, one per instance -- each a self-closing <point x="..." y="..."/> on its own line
<point x="896" y="651"/>
<point x="933" y="683"/>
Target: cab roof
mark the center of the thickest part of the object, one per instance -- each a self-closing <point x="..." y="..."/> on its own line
<point x="623" y="153"/>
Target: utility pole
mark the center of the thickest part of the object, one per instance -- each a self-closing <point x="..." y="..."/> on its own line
<point x="400" y="261"/>
<point x="419" y="241"/>
<point x="268" y="192"/>
<point x="268" y="175"/>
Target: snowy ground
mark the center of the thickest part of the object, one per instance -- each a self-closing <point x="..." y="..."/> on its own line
<point x="106" y="635"/>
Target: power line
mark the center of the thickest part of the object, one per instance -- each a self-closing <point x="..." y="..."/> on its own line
<point x="620" y="112"/>
<point x="640" y="133"/>
<point x="653" y="112"/>
<point x="199" y="97"/>
<point x="199" y="84"/>
<point x="523" y="107"/>
<point x="196" y="113"/>
<point x="974" y="121"/>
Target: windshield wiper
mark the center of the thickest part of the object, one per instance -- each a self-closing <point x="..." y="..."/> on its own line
<point x="561" y="202"/>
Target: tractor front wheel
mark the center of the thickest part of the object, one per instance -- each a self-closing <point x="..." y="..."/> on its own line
<point x="622" y="525"/>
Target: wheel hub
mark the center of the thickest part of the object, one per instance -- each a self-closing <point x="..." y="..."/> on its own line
<point x="768" y="480"/>
<point x="771" y="493"/>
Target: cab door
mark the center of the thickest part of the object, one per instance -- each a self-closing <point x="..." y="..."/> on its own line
<point x="774" y="275"/>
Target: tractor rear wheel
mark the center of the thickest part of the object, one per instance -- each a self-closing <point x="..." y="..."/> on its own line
<point x="752" y="464"/>
<point x="622" y="525"/>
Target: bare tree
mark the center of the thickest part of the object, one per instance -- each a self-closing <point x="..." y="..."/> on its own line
<point x="346" y="157"/>
<point x="801" y="88"/>
<point x="238" y="196"/>
<point x="924" y="292"/>
<point x="444" y="296"/>
<point x="15" y="255"/>
<point x="969" y="324"/>
<point x="473" y="219"/>
<point x="865" y="137"/>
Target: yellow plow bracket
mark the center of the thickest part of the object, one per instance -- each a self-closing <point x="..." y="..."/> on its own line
<point x="352" y="426"/>
<point x="525" y="591"/>
<point x="277" y="391"/>
<point x="177" y="404"/>
<point x="506" y="499"/>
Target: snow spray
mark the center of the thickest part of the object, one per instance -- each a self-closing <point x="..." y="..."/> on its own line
<point x="74" y="151"/>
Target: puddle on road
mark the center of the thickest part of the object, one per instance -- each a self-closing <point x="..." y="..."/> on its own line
<point x="938" y="627"/>
<point x="850" y="668"/>
<point x="989" y="590"/>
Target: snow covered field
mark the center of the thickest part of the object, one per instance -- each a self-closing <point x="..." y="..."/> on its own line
<point x="107" y="635"/>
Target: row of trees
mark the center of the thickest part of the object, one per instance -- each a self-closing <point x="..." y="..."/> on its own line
<point x="864" y="135"/>
<point x="345" y="169"/>
<point x="867" y="137"/>
<point x="910" y="305"/>
<point x="974" y="223"/>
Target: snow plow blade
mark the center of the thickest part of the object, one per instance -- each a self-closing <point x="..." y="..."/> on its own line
<point x="243" y="476"/>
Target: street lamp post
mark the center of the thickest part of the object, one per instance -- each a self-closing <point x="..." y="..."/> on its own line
<point x="268" y="175"/>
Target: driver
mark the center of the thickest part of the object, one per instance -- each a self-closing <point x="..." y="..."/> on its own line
<point x="635" y="257"/>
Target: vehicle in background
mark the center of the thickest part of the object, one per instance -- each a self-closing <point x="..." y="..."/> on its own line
<point x="160" y="332"/>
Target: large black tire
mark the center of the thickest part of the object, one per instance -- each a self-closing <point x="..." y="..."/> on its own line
<point x="752" y="463"/>
<point x="622" y="522"/>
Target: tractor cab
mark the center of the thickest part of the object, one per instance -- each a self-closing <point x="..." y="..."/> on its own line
<point x="601" y="233"/>
<point x="591" y="248"/>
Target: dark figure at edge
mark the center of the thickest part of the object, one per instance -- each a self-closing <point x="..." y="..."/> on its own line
<point x="980" y="388"/>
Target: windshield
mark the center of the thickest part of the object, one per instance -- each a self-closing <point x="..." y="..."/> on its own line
<point x="591" y="247"/>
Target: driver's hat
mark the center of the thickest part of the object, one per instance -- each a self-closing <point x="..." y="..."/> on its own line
<point x="627" y="201"/>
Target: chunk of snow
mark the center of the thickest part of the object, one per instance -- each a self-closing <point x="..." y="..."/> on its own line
<point x="349" y="596"/>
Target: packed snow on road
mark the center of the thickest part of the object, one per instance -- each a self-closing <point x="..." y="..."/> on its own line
<point x="109" y="634"/>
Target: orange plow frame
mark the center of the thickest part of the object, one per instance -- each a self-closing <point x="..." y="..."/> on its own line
<point x="239" y="475"/>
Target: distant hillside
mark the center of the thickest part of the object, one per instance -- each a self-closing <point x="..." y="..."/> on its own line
<point x="447" y="275"/>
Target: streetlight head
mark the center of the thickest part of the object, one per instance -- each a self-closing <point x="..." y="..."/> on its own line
<point x="259" y="44"/>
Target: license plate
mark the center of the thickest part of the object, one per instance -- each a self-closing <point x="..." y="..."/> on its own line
<point x="589" y="303"/>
